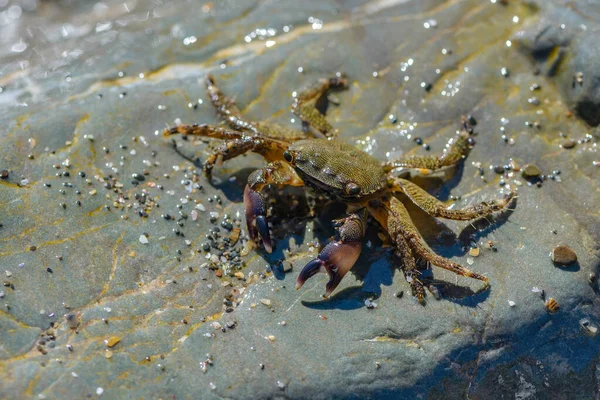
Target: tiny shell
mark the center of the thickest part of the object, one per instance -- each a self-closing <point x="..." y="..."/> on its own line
<point x="552" y="305"/>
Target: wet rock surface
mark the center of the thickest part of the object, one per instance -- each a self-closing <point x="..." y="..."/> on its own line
<point x="125" y="275"/>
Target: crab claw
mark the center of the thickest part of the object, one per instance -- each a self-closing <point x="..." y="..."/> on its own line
<point x="336" y="259"/>
<point x="256" y="218"/>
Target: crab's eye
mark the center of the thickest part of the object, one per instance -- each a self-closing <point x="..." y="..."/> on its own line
<point x="352" y="188"/>
<point x="288" y="156"/>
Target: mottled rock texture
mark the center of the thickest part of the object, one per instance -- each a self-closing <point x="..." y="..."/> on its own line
<point x="93" y="83"/>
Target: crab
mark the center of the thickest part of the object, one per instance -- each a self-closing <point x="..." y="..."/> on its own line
<point x="342" y="173"/>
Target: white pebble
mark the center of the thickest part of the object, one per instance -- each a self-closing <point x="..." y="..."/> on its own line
<point x="511" y="303"/>
<point x="99" y="391"/>
<point x="143" y="239"/>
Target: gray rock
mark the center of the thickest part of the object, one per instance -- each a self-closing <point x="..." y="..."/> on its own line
<point x="122" y="73"/>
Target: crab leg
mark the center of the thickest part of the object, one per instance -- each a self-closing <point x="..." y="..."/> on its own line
<point x="338" y="257"/>
<point x="305" y="102"/>
<point x="213" y="132"/>
<point x="403" y="251"/>
<point x="457" y="148"/>
<point x="436" y="208"/>
<point x="230" y="113"/>
<point x="278" y="173"/>
<point x="399" y="225"/>
<point x="238" y="143"/>
<point x="226" y="107"/>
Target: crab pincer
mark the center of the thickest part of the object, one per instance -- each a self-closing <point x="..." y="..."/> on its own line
<point x="337" y="258"/>
<point x="256" y="218"/>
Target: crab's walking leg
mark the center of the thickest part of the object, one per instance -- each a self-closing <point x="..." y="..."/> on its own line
<point x="338" y="257"/>
<point x="214" y="132"/>
<point x="226" y="107"/>
<point x="237" y="144"/>
<point x="399" y="223"/>
<point x="230" y="113"/>
<point x="436" y="208"/>
<point x="457" y="148"/>
<point x="403" y="251"/>
<point x="277" y="173"/>
<point x="304" y="104"/>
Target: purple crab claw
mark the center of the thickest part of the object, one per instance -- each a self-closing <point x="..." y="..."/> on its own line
<point x="336" y="259"/>
<point x="256" y="218"/>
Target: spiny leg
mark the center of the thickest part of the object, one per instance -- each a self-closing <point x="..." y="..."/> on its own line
<point x="304" y="104"/>
<point x="209" y="131"/>
<point x="225" y="152"/>
<point x="436" y="208"/>
<point x="403" y="251"/>
<point x="457" y="148"/>
<point x="230" y="113"/>
<point x="277" y="173"/>
<point x="400" y="223"/>
<point x="338" y="257"/>
<point x="237" y="144"/>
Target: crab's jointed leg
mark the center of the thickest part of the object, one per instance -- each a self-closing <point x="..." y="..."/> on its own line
<point x="400" y="226"/>
<point x="231" y="114"/>
<point x="237" y="144"/>
<point x="457" y="148"/>
<point x="304" y="105"/>
<point x="338" y="257"/>
<point x="436" y="208"/>
<point x="277" y="173"/>
<point x="403" y="251"/>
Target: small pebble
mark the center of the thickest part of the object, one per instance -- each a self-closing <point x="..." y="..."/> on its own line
<point x="499" y="169"/>
<point x="239" y="275"/>
<point x="588" y="327"/>
<point x="531" y="171"/>
<point x="563" y="255"/>
<point x="568" y="144"/>
<point x="511" y="303"/>
<point x="474" y="252"/>
<point x="143" y="239"/>
<point x="112" y="341"/>
<point x="265" y="302"/>
<point x="287" y="266"/>
<point x="72" y="320"/>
